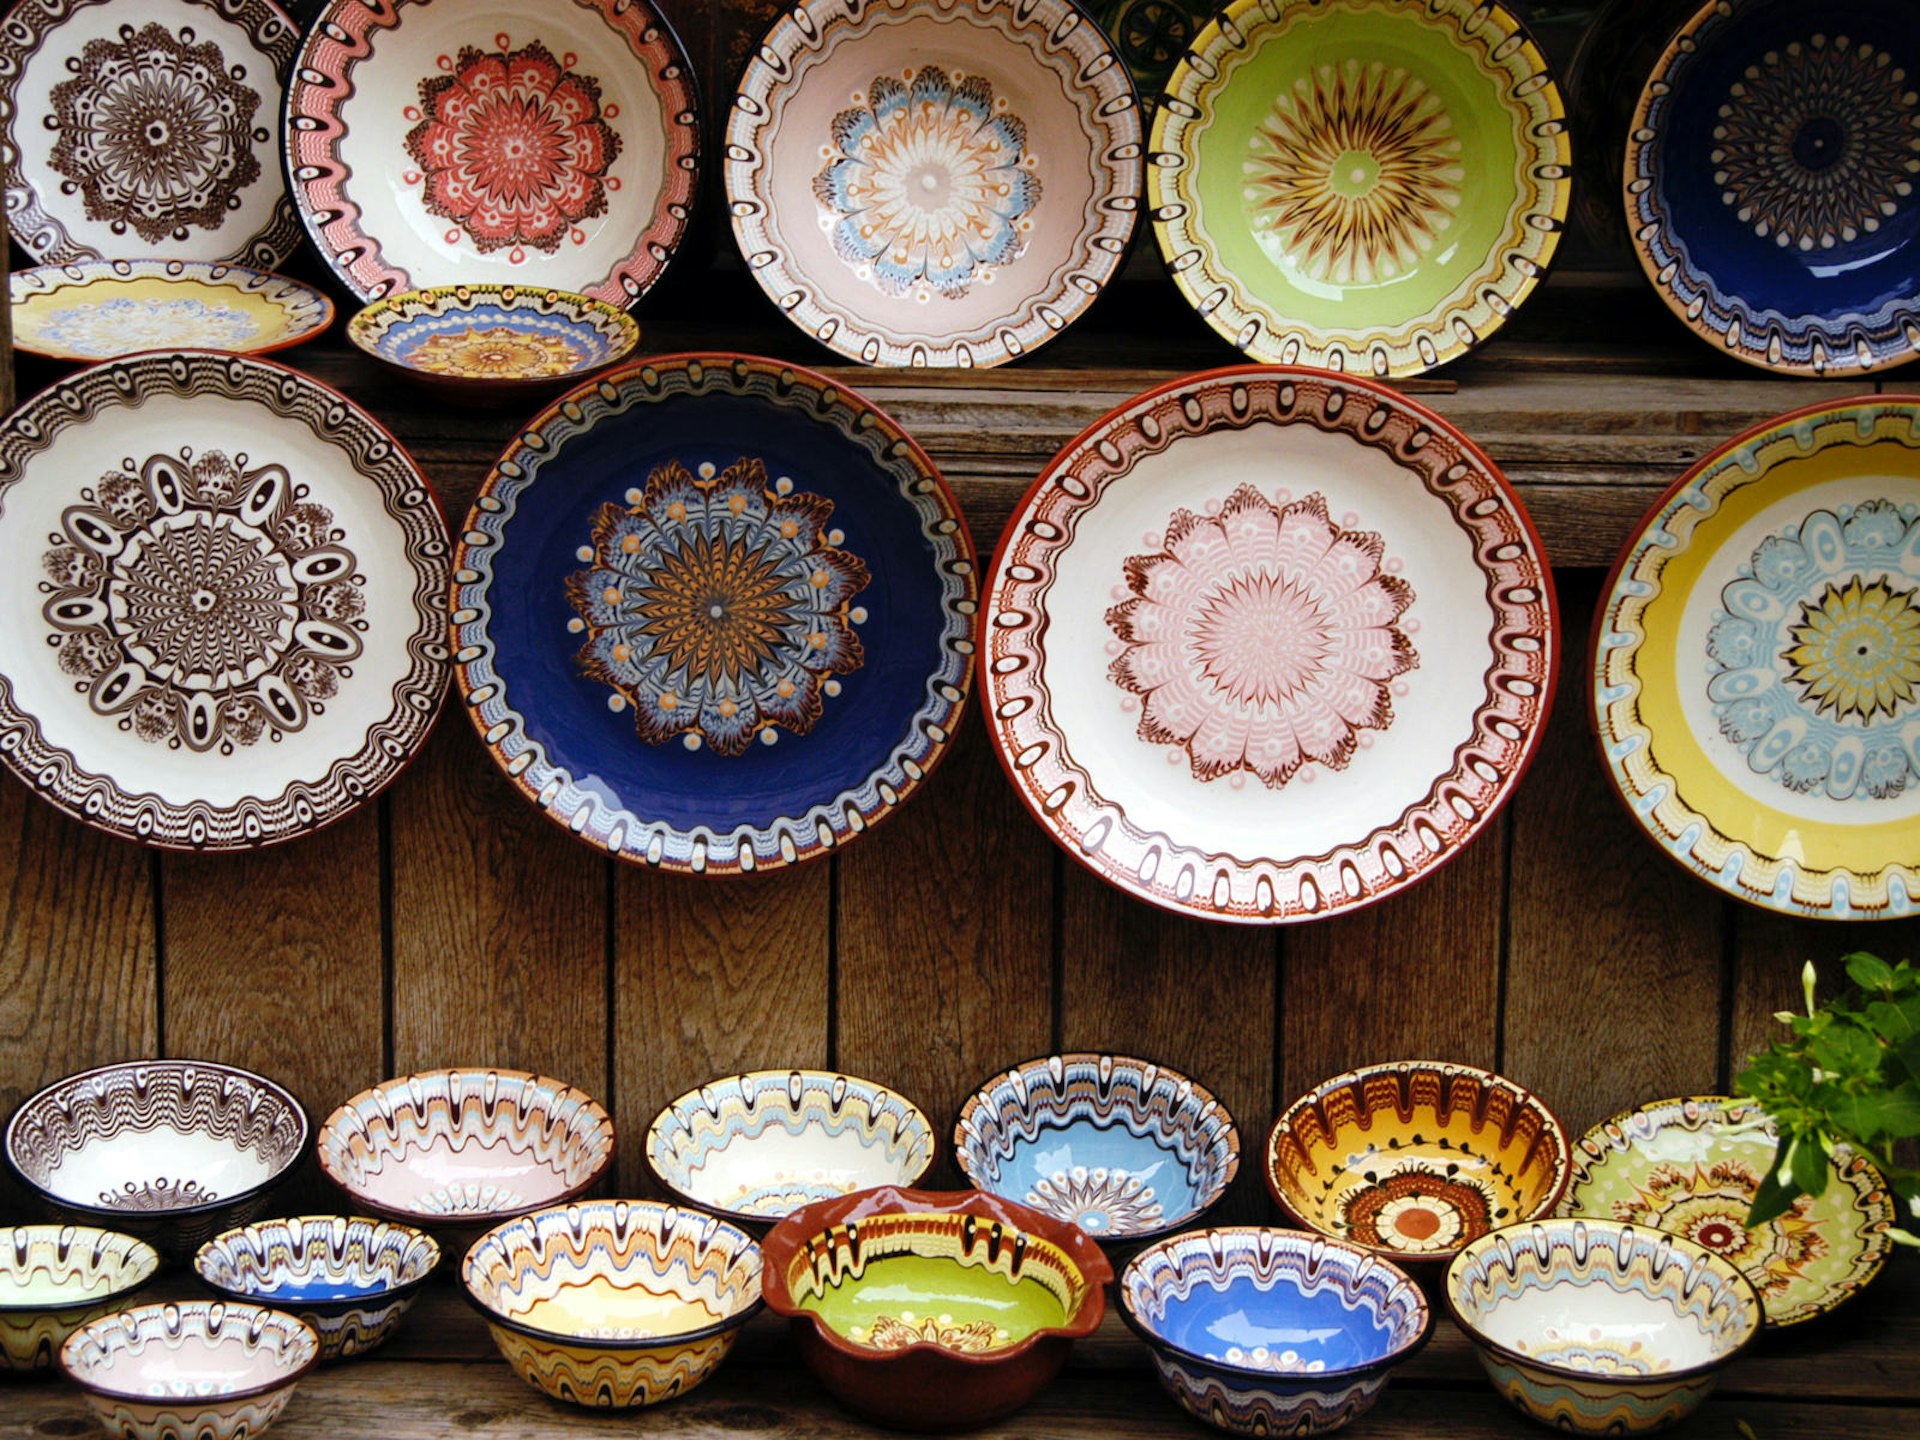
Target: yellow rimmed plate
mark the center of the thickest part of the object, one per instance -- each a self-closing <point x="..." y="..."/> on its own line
<point x="104" y="309"/>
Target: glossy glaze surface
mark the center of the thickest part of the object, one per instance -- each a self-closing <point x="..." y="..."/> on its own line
<point x="55" y="1278"/>
<point x="103" y="309"/>
<point x="489" y="336"/>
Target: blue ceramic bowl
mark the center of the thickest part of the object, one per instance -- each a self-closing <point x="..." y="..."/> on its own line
<point x="1272" y="1332"/>
<point x="490" y="338"/>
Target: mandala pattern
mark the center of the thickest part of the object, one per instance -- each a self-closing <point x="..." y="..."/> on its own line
<point x="1417" y="1210"/>
<point x="497" y="353"/>
<point x="930" y="183"/>
<point x="969" y="1337"/>
<point x="121" y="327"/>
<point x="1099" y="1201"/>
<point x="157" y="1195"/>
<point x="718" y="607"/>
<point x="1708" y="1204"/>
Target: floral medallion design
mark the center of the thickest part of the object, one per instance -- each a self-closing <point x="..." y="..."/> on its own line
<point x="1099" y="1200"/>
<point x="122" y="326"/>
<point x="496" y="353"/>
<point x="929" y="183"/>
<point x="890" y="1332"/>
<point x="718" y="606"/>
<point x="1708" y="1204"/>
<point x="1262" y="637"/>
<point x="202" y="602"/>
<point x="1417" y="1210"/>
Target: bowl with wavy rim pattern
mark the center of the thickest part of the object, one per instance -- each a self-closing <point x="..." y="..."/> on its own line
<point x="55" y="1278"/>
<point x="475" y="342"/>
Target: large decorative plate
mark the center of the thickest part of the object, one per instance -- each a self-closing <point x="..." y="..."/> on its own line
<point x="1770" y="182"/>
<point x="224" y="616"/>
<point x="103" y="309"/>
<point x="543" y="143"/>
<point x="714" y="614"/>
<point x="1756" y="665"/>
<point x="934" y="182"/>
<point x="1363" y="185"/>
<point x="1267" y="644"/>
<point x="146" y="129"/>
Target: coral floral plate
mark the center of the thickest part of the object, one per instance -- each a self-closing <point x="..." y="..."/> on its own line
<point x="103" y="309"/>
<point x="1267" y="644"/>
<point x="714" y="613"/>
<point x="485" y="341"/>
<point x="1756" y="664"/>
<point x="934" y="182"/>
<point x="542" y="143"/>
<point x="1362" y="185"/>
<point x="224" y="622"/>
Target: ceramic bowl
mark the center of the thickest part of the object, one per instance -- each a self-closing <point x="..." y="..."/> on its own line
<point x="758" y="1146"/>
<point x="1272" y="1332"/>
<point x="350" y="1279"/>
<point x="1123" y="1148"/>
<point x="1692" y="1166"/>
<point x="169" y="1151"/>
<point x="933" y="1311"/>
<point x="1417" y="1159"/>
<point x="614" y="1302"/>
<point x="482" y="341"/>
<point x="1599" y="1328"/>
<point x="55" y="1278"/>
<point x="102" y="309"/>
<point x="206" y="1370"/>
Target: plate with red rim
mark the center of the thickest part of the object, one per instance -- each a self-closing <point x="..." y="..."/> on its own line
<point x="1267" y="576"/>
<point x="103" y="309"/>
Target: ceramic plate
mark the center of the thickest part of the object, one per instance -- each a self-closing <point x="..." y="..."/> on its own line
<point x="1756" y="667"/>
<point x="934" y="182"/>
<point x="1691" y="1167"/>
<point x="1770" y="178"/>
<point x="715" y="613"/>
<point x="1264" y="645"/>
<point x="1360" y="185"/>
<point x="537" y="143"/>
<point x="103" y="309"/>
<point x="146" y="129"/>
<point x="493" y="337"/>
<point x="226" y="622"/>
<point x="1150" y="36"/>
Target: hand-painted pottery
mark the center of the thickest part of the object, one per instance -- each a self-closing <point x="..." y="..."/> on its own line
<point x="1417" y="1159"/>
<point x="350" y="1279"/>
<point x="54" y="1279"/>
<point x="168" y="1151"/>
<point x="190" y="1370"/>
<point x="1692" y="1166"/>
<point x="1272" y="1332"/>
<point x="614" y="1302"/>
<point x="758" y="1146"/>
<point x="933" y="1311"/>
<point x="715" y="614"/>
<point x="934" y="182"/>
<point x="146" y="129"/>
<point x="1122" y="1148"/>
<point x="226" y="622"/>
<point x="484" y="341"/>
<point x="1770" y="177"/>
<point x="1599" y="1328"/>
<point x="1363" y="185"/>
<point x="1150" y="36"/>
<point x="1756" y="664"/>
<point x="103" y="309"/>
<point x="1156" y="727"/>
<point x="538" y="143"/>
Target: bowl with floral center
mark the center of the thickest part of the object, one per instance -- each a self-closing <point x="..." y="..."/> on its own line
<point x="55" y="1278"/>
<point x="476" y="341"/>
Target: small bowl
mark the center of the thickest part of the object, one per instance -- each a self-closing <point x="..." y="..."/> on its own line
<point x="204" y="1369"/>
<point x="614" y="1302"/>
<point x="1600" y="1328"/>
<point x="1123" y="1148"/>
<point x="758" y="1146"/>
<point x="1272" y="1332"/>
<point x="55" y="1278"/>
<point x="1415" y="1160"/>
<point x="494" y="340"/>
<point x="168" y="1151"/>
<point x="933" y="1311"/>
<point x="350" y="1279"/>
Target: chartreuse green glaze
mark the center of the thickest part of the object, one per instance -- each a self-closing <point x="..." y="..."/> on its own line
<point x="903" y="1298"/>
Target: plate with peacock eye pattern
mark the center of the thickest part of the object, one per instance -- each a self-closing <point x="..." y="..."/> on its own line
<point x="1755" y="674"/>
<point x="1771" y="177"/>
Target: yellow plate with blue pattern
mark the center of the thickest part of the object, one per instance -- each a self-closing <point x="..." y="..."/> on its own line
<point x="106" y="309"/>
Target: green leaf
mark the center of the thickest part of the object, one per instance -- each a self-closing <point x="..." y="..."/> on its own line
<point x="1845" y="1050"/>
<point x="1868" y="1119"/>
<point x="1774" y="1197"/>
<point x="1808" y="1166"/>
<point x="1890" y="1020"/>
<point x="1869" y="972"/>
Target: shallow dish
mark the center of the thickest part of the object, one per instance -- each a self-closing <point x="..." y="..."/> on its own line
<point x="103" y="309"/>
<point x="1755" y="674"/>
<point x="715" y="614"/>
<point x="1417" y="1159"/>
<point x="1174" y="750"/>
<point x="539" y="143"/>
<point x="55" y="1278"/>
<point x="934" y="182"/>
<point x="1272" y="1332"/>
<point x="1372" y="186"/>
<point x="1123" y="1148"/>
<point x="490" y="340"/>
<point x="758" y="1146"/>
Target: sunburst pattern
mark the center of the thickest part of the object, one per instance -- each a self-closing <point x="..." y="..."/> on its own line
<point x="1857" y="651"/>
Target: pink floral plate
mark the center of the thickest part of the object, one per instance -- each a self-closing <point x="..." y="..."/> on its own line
<point x="544" y="143"/>
<point x="1264" y="644"/>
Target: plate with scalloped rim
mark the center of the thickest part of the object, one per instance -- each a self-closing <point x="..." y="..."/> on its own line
<point x="103" y="309"/>
<point x="1371" y="186"/>
<point x="715" y="613"/>
<point x="934" y="182"/>
<point x="541" y="143"/>
<point x="1755" y="672"/>
<point x="1309" y="644"/>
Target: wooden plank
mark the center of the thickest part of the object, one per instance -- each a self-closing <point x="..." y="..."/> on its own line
<point x="1769" y="951"/>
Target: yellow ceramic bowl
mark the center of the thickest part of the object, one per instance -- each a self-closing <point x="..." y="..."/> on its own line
<point x="55" y="1278"/>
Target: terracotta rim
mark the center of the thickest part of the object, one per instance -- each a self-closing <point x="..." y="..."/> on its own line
<point x="81" y="272"/>
<point x="227" y="1397"/>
